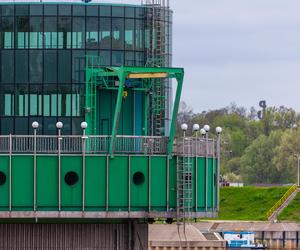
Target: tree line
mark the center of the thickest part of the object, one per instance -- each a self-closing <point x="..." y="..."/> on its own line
<point x="253" y="149"/>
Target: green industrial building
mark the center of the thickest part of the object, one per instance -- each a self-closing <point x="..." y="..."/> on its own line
<point x="87" y="124"/>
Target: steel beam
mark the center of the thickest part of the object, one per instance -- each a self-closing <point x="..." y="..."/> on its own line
<point x="115" y="126"/>
<point x="179" y="78"/>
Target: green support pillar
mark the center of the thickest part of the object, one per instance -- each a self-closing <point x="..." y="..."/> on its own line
<point x="115" y="126"/>
<point x="146" y="112"/>
<point x="179" y="78"/>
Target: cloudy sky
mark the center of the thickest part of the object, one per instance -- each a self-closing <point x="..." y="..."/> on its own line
<point x="238" y="51"/>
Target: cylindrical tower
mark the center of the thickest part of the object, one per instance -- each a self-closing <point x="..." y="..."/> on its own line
<point x="43" y="48"/>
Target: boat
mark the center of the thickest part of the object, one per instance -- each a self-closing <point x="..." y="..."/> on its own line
<point x="242" y="240"/>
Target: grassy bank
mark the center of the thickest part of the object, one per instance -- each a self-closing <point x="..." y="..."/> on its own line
<point x="292" y="211"/>
<point x="248" y="203"/>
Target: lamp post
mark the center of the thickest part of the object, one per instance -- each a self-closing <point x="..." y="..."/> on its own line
<point x="196" y="128"/>
<point x="184" y="128"/>
<point x="206" y="128"/>
<point x="35" y="126"/>
<point x="59" y="126"/>
<point x="218" y="131"/>
<point x="83" y="125"/>
<point x="298" y="166"/>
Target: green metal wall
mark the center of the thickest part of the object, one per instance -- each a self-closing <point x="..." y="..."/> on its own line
<point x="156" y="193"/>
<point x="130" y="122"/>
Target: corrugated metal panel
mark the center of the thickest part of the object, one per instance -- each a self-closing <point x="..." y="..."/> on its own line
<point x="68" y="236"/>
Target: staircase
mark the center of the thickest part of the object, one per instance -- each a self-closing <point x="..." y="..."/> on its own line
<point x="282" y="203"/>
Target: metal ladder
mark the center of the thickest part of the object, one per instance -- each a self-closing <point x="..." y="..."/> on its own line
<point x="156" y="17"/>
<point x="184" y="182"/>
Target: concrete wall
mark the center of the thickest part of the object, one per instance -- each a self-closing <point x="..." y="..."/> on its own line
<point x="115" y="236"/>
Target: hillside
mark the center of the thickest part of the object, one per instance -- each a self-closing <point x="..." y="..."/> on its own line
<point x="248" y="203"/>
<point x="292" y="211"/>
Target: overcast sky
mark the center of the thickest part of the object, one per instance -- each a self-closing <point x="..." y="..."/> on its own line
<point x="238" y="51"/>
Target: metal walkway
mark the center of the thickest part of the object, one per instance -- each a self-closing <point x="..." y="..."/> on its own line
<point x="284" y="204"/>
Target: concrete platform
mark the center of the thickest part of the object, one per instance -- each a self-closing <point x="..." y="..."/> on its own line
<point x="221" y="226"/>
<point x="165" y="236"/>
<point x="280" y="235"/>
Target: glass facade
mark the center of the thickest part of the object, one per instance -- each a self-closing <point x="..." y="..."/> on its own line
<point x="42" y="56"/>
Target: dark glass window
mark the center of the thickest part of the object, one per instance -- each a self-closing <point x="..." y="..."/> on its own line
<point x="118" y="33"/>
<point x="50" y="66"/>
<point x="22" y="10"/>
<point x="7" y="100"/>
<point x="50" y="10"/>
<point x="22" y="32"/>
<point x="35" y="66"/>
<point x="64" y="32"/>
<point x="36" y="9"/>
<point x="7" y="33"/>
<point x="36" y="100"/>
<point x="129" y="59"/>
<point x="139" y="41"/>
<point x="129" y="12"/>
<point x="7" y="66"/>
<point x="49" y="126"/>
<point x="92" y="10"/>
<point x="117" y="58"/>
<point x="21" y="65"/>
<point x="50" y="100"/>
<point x="77" y="99"/>
<point x="78" y="10"/>
<point x="64" y="100"/>
<point x="117" y="11"/>
<point x="129" y="34"/>
<point x="92" y="33"/>
<point x="76" y="129"/>
<point x="105" y="58"/>
<point x="105" y="11"/>
<point x="36" y="33"/>
<point x="66" y="130"/>
<point x="7" y="10"/>
<point x="139" y="59"/>
<point x="105" y="33"/>
<point x="78" y="38"/>
<point x="64" y="10"/>
<point x="21" y="99"/>
<point x="64" y="66"/>
<point x="50" y="32"/>
<point x="7" y="126"/>
<point x="139" y="12"/>
<point x="21" y="125"/>
<point x="78" y="66"/>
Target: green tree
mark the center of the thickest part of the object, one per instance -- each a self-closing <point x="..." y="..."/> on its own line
<point x="257" y="164"/>
<point x="287" y="153"/>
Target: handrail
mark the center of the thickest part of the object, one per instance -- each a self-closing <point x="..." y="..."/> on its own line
<point x="25" y="144"/>
<point x="282" y="200"/>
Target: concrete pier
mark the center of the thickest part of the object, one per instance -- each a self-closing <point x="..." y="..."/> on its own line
<point x="164" y="236"/>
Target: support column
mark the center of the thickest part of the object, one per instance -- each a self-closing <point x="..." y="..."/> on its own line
<point x="179" y="78"/>
<point x="115" y="126"/>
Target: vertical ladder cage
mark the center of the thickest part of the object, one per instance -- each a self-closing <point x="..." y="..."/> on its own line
<point x="184" y="181"/>
<point x="158" y="54"/>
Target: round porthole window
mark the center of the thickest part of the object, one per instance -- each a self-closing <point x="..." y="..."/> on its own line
<point x="71" y="178"/>
<point x="2" y="178"/>
<point x="138" y="178"/>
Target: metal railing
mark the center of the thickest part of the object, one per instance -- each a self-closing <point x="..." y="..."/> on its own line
<point x="198" y="146"/>
<point x="99" y="144"/>
<point x="73" y="144"/>
<point x="282" y="200"/>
